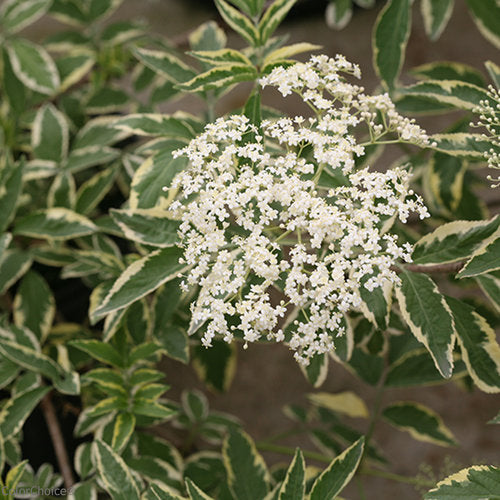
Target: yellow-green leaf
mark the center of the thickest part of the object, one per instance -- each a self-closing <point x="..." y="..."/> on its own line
<point x="346" y="402"/>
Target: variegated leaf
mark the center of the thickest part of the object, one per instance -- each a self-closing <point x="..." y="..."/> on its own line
<point x="221" y="56"/>
<point x="92" y="191"/>
<point x="142" y="277"/>
<point x="114" y="473"/>
<point x="490" y="285"/>
<point x="436" y="14"/>
<point x="33" y="66"/>
<point x="219" y="77"/>
<point x="474" y="483"/>
<point x="241" y="459"/>
<point x="166" y="64"/>
<point x="288" y="51"/>
<point x="338" y="14"/>
<point x="479" y="346"/>
<point x="149" y="124"/>
<point x="73" y="67"/>
<point x="462" y="144"/>
<point x="448" y="71"/>
<point x="12" y="266"/>
<point x="346" y="403"/>
<point x="454" y="241"/>
<point x="338" y="474"/>
<point x="421" y="422"/>
<point x="294" y="484"/>
<point x="486" y="15"/>
<point x="390" y="37"/>
<point x="54" y="223"/>
<point x="11" y="181"/>
<point x="485" y="258"/>
<point x="461" y="95"/>
<point x="122" y="431"/>
<point x="50" y="134"/>
<point x="273" y="17"/>
<point x="238" y="21"/>
<point x="17" y="14"/>
<point x="423" y="307"/>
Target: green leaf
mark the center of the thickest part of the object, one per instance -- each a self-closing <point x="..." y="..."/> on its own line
<point x="294" y="485"/>
<point x="98" y="9"/>
<point x="17" y="14"/>
<point x="142" y="277"/>
<point x="153" y="175"/>
<point x="484" y="259"/>
<point x="159" y="492"/>
<point x="219" y="77"/>
<point x="14" y="475"/>
<point x="194" y="492"/>
<point x="150" y="124"/>
<point x="148" y="226"/>
<point x="490" y="285"/>
<point x="34" y="305"/>
<point x="317" y="370"/>
<point x="98" y="132"/>
<point x="421" y="422"/>
<point x="69" y="11"/>
<point x="50" y="134"/>
<point x="461" y="95"/>
<point x="122" y="431"/>
<point x="238" y="21"/>
<point x="473" y="483"/>
<point x="166" y="64"/>
<point x="108" y="380"/>
<point x="345" y="402"/>
<point x="338" y="14"/>
<point x="486" y="15"/>
<point x="390" y="36"/>
<point x="448" y="71"/>
<point x="121" y="32"/>
<point x="17" y="409"/>
<point x="333" y="479"/>
<point x="94" y="190"/>
<point x="33" y="66"/>
<point x="423" y="307"/>
<point x="114" y="473"/>
<point x="242" y="460"/>
<point x="273" y="17"/>
<point x="54" y="223"/>
<point x="480" y="349"/>
<point x="453" y="242"/>
<point x="11" y="180"/>
<point x="15" y="91"/>
<point x="216" y="366"/>
<point x="417" y="368"/>
<point x="5" y="240"/>
<point x="436" y="14"/>
<point x="462" y="144"/>
<point x="12" y="266"/>
<point x="99" y="350"/>
<point x="108" y="406"/>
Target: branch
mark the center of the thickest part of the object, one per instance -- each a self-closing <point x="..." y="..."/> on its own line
<point x="450" y="267"/>
<point x="57" y="438"/>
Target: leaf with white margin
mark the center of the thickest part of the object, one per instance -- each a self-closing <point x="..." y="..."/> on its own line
<point x="333" y="479"/>
<point x="479" y="346"/>
<point x="294" y="484"/>
<point x="55" y="223"/>
<point x="246" y="470"/>
<point x="347" y="403"/>
<point x="479" y="482"/>
<point x="33" y="65"/>
<point x="114" y="473"/>
<point x="50" y="134"/>
<point x="423" y="307"/>
<point x="436" y="14"/>
<point x="421" y="422"/>
<point x="453" y="242"/>
<point x="490" y="285"/>
<point x="142" y="277"/>
<point x="486" y="15"/>
<point x="17" y="14"/>
<point x="484" y="259"/>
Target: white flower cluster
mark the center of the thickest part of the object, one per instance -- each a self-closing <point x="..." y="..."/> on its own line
<point x="276" y="217"/>
<point x="489" y="116"/>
